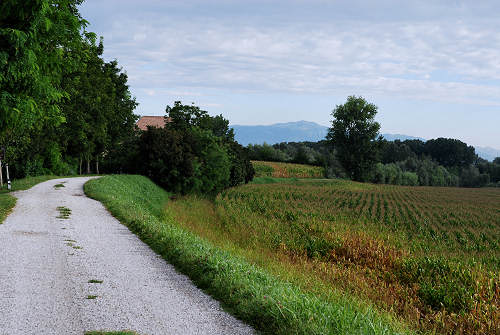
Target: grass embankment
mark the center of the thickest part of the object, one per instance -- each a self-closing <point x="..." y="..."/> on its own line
<point x="7" y="201"/>
<point x="429" y="256"/>
<point x="271" y="305"/>
<point x="287" y="170"/>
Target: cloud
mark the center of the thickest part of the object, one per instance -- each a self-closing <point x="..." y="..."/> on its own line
<point x="451" y="59"/>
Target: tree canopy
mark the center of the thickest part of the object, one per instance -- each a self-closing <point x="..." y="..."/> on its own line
<point x="39" y="40"/>
<point x="354" y="134"/>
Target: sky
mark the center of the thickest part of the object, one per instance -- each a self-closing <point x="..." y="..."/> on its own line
<point x="431" y="67"/>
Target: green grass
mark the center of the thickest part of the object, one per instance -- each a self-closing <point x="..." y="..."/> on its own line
<point x="95" y="281"/>
<point x="270" y="304"/>
<point x="92" y="297"/>
<point x="7" y="202"/>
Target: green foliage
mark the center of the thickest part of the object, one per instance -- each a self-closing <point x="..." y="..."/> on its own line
<point x="441" y="283"/>
<point x="490" y="168"/>
<point x="34" y="36"/>
<point x="166" y="157"/>
<point x="266" y="152"/>
<point x="395" y="151"/>
<point x="413" y="172"/>
<point x="213" y="159"/>
<point x="353" y="134"/>
<point x="60" y="102"/>
<point x="193" y="153"/>
<point x="450" y="152"/>
<point x="242" y="170"/>
<point x="99" y="114"/>
<point x="409" y="179"/>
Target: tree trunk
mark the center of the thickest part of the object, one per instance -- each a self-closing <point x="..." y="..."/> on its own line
<point x="97" y="164"/>
<point x="1" y="176"/>
<point x="80" y="164"/>
<point x="88" y="165"/>
<point x="8" y="177"/>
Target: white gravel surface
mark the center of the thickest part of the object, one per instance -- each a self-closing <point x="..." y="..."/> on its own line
<point x="46" y="264"/>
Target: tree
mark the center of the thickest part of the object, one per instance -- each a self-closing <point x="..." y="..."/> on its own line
<point x="354" y="134"/>
<point x="99" y="113"/>
<point x="193" y="153"/>
<point x="37" y="43"/>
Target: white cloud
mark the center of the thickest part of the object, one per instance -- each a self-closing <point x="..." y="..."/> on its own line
<point x="430" y="60"/>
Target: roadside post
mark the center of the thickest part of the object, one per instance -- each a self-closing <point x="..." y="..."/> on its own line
<point x="1" y="167"/>
<point x="2" y="158"/>
<point x="8" y="177"/>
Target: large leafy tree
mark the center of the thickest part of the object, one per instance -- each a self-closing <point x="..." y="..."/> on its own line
<point x="39" y="40"/>
<point x="354" y="134"/>
<point x="99" y="112"/>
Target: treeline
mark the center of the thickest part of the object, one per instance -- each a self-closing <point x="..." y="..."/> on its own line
<point x="66" y="111"/>
<point x="193" y="153"/>
<point x="438" y="162"/>
<point x="62" y="106"/>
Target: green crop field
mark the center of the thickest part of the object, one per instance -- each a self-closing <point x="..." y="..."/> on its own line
<point x="286" y="170"/>
<point x="428" y="256"/>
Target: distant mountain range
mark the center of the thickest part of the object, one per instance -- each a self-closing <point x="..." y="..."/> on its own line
<point x="310" y="131"/>
<point x="487" y="153"/>
<point x="280" y="132"/>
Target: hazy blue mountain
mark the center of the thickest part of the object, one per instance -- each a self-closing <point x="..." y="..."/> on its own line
<point x="310" y="131"/>
<point x="280" y="132"/>
<point x="487" y="153"/>
<point x="292" y="132"/>
<point x="401" y="137"/>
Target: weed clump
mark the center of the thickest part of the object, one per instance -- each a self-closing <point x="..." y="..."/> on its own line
<point x="64" y="212"/>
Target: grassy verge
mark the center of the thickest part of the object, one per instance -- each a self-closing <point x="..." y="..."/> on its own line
<point x="7" y="202"/>
<point x="269" y="304"/>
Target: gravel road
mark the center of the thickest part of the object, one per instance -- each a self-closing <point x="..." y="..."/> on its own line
<point x="46" y="264"/>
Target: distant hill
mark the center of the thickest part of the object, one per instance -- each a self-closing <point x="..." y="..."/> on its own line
<point x="401" y="137"/>
<point x="310" y="131"/>
<point x="293" y="132"/>
<point x="487" y="153"/>
<point x="280" y="132"/>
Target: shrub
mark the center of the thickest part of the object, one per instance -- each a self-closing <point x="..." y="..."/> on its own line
<point x="409" y="178"/>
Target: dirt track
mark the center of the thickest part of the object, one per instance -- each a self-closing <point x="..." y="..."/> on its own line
<point x="46" y="264"/>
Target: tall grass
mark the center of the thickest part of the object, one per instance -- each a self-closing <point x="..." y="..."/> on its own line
<point x="270" y="304"/>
